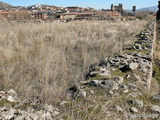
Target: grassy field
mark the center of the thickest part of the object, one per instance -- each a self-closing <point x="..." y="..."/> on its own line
<point x="40" y="61"/>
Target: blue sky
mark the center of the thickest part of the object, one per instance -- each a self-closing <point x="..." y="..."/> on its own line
<point x="98" y="4"/>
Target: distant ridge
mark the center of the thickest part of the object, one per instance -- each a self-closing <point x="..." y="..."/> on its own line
<point x="152" y="9"/>
<point x="5" y="5"/>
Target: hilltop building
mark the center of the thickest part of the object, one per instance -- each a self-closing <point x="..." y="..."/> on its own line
<point x="112" y="7"/>
<point x="21" y="15"/>
<point x="13" y="15"/>
<point x="134" y="9"/>
<point x="133" y="13"/>
<point x="118" y="8"/>
<point x="74" y="15"/>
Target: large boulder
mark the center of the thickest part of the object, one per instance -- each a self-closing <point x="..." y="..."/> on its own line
<point x="104" y="72"/>
<point x="12" y="93"/>
<point x="157" y="97"/>
<point x="49" y="108"/>
<point x="133" y="65"/>
<point x="48" y="116"/>
<point x="132" y="86"/>
<point x="55" y="113"/>
<point x="137" y="47"/>
<point x="20" y="117"/>
<point x="125" y="68"/>
<point x="39" y="115"/>
<point x="10" y="99"/>
<point x="64" y="102"/>
<point x="135" y="102"/>
<point x="112" y="85"/>
<point x="9" y="114"/>
<point x="117" y="108"/>
<point x="119" y="80"/>
<point x="155" y="108"/>
<point x="95" y="83"/>
<point x="133" y="110"/>
<point x="82" y="94"/>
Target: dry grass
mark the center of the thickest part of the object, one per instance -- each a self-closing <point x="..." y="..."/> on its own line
<point x="40" y="61"/>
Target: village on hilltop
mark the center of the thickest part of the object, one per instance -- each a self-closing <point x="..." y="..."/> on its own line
<point x="50" y="13"/>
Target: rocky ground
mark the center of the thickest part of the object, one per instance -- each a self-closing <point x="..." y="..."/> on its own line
<point x="117" y="88"/>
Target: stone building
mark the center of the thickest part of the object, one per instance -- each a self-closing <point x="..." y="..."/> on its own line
<point x="112" y="7"/>
<point x="74" y="15"/>
<point x="15" y="15"/>
<point x="21" y="15"/>
<point x="118" y="8"/>
<point x="37" y="15"/>
<point x="134" y="9"/>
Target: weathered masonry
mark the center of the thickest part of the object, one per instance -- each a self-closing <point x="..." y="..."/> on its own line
<point x="21" y="15"/>
<point x="74" y="15"/>
<point x="12" y="15"/>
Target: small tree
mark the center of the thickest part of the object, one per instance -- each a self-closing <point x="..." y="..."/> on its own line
<point x="57" y="15"/>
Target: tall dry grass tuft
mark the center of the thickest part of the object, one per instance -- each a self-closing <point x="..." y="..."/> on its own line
<point x="40" y="61"/>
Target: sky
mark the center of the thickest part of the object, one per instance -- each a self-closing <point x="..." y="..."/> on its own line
<point x="97" y="4"/>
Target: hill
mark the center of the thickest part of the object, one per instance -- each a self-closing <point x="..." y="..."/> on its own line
<point x="153" y="9"/>
<point x="5" y="5"/>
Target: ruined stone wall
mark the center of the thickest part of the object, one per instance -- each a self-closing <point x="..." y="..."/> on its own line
<point x="114" y="89"/>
